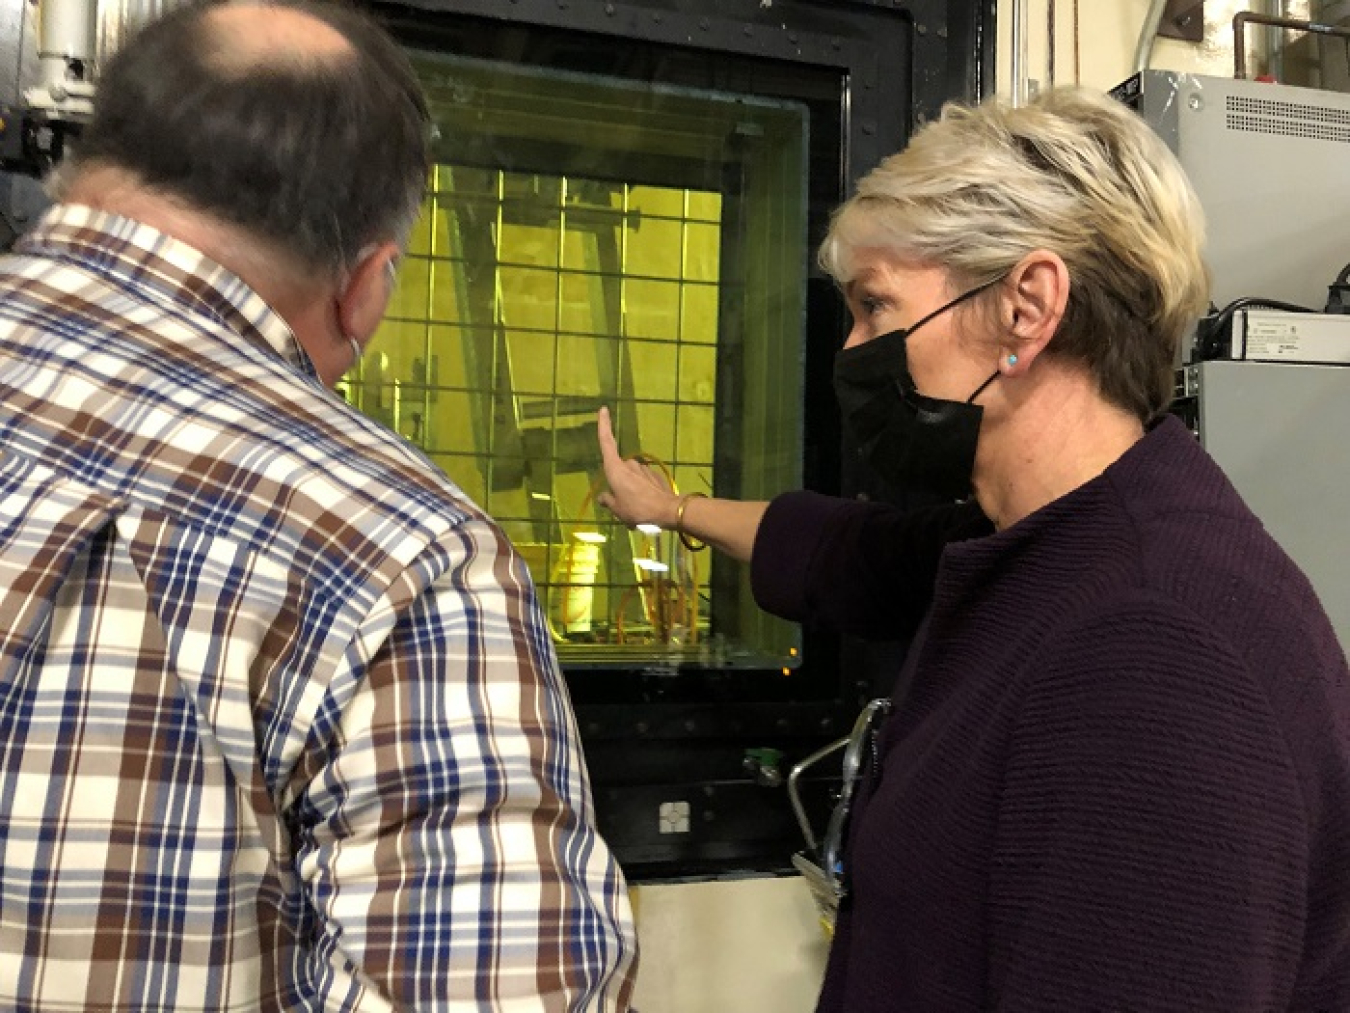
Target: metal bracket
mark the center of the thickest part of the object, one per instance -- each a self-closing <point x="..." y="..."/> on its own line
<point x="1184" y="20"/>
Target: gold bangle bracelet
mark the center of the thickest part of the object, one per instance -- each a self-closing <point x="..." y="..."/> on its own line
<point x="688" y="541"/>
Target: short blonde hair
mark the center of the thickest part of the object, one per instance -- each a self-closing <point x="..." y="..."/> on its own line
<point x="1073" y="172"/>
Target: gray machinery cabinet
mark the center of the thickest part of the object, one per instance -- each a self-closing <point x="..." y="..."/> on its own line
<point x="1279" y="431"/>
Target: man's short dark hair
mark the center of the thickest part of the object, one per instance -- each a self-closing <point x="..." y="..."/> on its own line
<point x="319" y="154"/>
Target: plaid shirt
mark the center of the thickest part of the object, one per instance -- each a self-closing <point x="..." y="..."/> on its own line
<point x="281" y="727"/>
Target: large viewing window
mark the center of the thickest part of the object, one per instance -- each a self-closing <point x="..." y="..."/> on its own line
<point x="588" y="241"/>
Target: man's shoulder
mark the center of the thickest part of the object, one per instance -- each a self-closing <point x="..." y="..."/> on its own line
<point x="313" y="473"/>
<point x="174" y="410"/>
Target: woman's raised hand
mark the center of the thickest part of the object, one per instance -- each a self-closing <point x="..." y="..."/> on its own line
<point x="638" y="493"/>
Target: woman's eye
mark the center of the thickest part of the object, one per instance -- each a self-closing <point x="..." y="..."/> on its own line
<point x="871" y="305"/>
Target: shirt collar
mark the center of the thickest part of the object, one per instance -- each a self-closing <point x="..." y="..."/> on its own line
<point x="164" y="268"/>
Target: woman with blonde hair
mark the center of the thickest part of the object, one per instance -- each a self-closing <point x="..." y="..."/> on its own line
<point x="1121" y="776"/>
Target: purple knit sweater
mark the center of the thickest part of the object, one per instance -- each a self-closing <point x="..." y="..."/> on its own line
<point x="1121" y="779"/>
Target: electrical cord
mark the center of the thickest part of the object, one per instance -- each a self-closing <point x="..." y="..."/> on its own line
<point x="1338" y="292"/>
<point x="1213" y="334"/>
<point x="11" y="223"/>
<point x="9" y="231"/>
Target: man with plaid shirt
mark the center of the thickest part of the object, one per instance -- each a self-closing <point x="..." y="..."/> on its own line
<point x="281" y="727"/>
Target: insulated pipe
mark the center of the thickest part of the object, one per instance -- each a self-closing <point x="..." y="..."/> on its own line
<point x="1243" y="18"/>
<point x="1143" y="52"/>
<point x="75" y="37"/>
<point x="66" y="30"/>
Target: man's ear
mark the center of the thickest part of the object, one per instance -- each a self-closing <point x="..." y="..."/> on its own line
<point x="1034" y="299"/>
<point x="361" y="302"/>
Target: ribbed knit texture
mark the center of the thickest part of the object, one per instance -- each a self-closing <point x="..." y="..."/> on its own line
<point x="1121" y="779"/>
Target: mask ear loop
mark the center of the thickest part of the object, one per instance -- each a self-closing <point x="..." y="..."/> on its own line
<point x="971" y="294"/>
<point x="980" y="389"/>
<point x="905" y="332"/>
<point x="960" y="299"/>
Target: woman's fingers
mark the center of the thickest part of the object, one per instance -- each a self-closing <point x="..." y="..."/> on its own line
<point x="637" y="493"/>
<point x="609" y="447"/>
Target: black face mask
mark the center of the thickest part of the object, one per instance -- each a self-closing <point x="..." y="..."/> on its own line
<point x="908" y="439"/>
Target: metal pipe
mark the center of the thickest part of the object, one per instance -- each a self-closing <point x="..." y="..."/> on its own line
<point x="66" y="55"/>
<point x="1244" y="18"/>
<point x="1143" y="52"/>
<point x="1019" y="52"/>
<point x="1077" y="45"/>
<point x="1050" y="43"/>
<point x="794" y="793"/>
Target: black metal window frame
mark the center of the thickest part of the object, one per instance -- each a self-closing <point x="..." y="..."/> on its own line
<point x="948" y="44"/>
<point x="655" y="735"/>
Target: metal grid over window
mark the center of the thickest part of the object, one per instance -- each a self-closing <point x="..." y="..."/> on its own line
<point x="524" y="303"/>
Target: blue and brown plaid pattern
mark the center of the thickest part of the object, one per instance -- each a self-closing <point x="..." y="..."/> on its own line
<point x="281" y="727"/>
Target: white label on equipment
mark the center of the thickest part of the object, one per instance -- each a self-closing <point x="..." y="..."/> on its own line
<point x="1297" y="337"/>
<point x="1273" y="339"/>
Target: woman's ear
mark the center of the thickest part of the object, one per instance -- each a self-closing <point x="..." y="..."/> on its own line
<point x="1035" y="296"/>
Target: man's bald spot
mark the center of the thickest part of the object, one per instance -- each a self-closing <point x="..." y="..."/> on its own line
<point x="247" y="36"/>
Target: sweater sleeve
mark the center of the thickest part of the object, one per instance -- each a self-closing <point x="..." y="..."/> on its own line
<point x="865" y="569"/>
<point x="1151" y="848"/>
